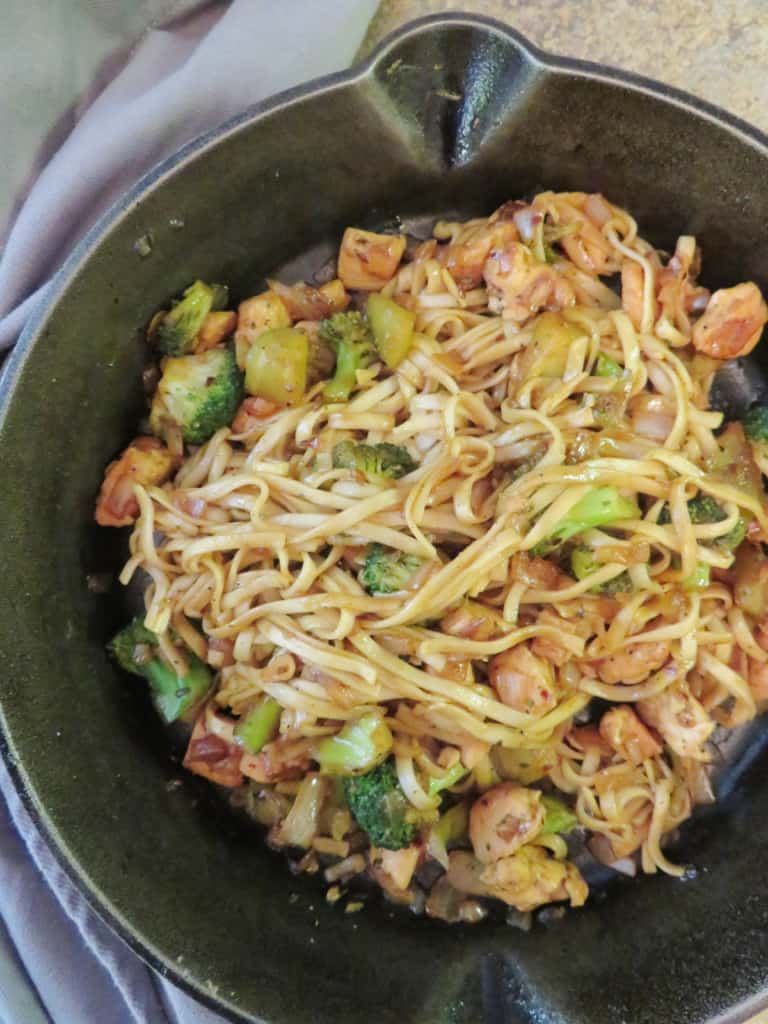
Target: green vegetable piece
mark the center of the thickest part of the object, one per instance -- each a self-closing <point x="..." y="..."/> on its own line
<point x="358" y="747"/>
<point x="584" y="563"/>
<point x="135" y="649"/>
<point x="387" y="570"/>
<point x="453" y="826"/>
<point x="734" y="461"/>
<point x="550" y="254"/>
<point x="600" y="507"/>
<point x="607" y="367"/>
<point x="392" y="327"/>
<point x="176" y="332"/>
<point x="200" y="394"/>
<point x="755" y="424"/>
<point x="698" y="579"/>
<point x="377" y="462"/>
<point x="172" y="695"/>
<point x="350" y="337"/>
<point x="704" y="509"/>
<point x="558" y="817"/>
<point x="451" y="777"/>
<point x="259" y="726"/>
<point x="379" y="807"/>
<point x="547" y="354"/>
<point x="276" y="365"/>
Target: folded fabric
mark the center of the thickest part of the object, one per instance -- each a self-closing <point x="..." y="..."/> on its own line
<point x="174" y="88"/>
<point x="181" y="81"/>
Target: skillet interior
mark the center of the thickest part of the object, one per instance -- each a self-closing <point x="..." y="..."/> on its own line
<point x="453" y="114"/>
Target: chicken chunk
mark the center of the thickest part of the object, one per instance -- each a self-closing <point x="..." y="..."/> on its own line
<point x="523" y="681"/>
<point x="212" y="751"/>
<point x="367" y="260"/>
<point x="145" y="461"/>
<point x="531" y="878"/>
<point x="503" y="819"/>
<point x="681" y="719"/>
<point x="519" y="286"/>
<point x="627" y="736"/>
<point x="634" y="664"/>
<point x="732" y="323"/>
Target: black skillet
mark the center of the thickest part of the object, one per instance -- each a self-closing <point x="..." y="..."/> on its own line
<point x="452" y="114"/>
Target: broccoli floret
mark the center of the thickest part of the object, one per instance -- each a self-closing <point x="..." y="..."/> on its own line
<point x="379" y="806"/>
<point x="349" y="335"/>
<point x="704" y="509"/>
<point x="198" y="393"/>
<point x="175" y="332"/>
<point x="583" y="563"/>
<point x="135" y="648"/>
<point x="375" y="461"/>
<point x="755" y="424"/>
<point x="387" y="570"/>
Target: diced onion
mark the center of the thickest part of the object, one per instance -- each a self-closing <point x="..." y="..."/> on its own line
<point x="526" y="221"/>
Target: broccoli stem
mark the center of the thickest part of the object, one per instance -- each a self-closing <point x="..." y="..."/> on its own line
<point x="600" y="507"/>
<point x="452" y="826"/>
<point x="451" y="777"/>
<point x="358" y="747"/>
<point x="173" y="695"/>
<point x="344" y="380"/>
<point x="135" y="650"/>
<point x="558" y="817"/>
<point x="259" y="726"/>
<point x="699" y="578"/>
<point x="607" y="367"/>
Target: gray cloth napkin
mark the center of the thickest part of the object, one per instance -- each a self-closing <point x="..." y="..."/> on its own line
<point x="58" y="961"/>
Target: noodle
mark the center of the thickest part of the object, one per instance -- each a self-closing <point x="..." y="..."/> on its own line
<point x="566" y="524"/>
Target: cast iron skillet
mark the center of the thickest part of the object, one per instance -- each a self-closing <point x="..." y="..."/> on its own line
<point x="456" y="114"/>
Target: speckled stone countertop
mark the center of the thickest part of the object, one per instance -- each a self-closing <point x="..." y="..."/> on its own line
<point x="716" y="49"/>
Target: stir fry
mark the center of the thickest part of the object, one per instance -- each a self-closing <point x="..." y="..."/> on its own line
<point x="448" y="563"/>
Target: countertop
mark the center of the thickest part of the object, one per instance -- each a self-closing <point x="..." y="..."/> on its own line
<point x="717" y="49"/>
